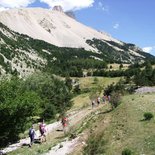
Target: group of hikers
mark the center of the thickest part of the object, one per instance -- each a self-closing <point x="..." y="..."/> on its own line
<point x="43" y="130"/>
<point x="64" y="122"/>
<point x="98" y="100"/>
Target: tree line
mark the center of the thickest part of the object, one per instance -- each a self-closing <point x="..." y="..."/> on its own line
<point x="25" y="101"/>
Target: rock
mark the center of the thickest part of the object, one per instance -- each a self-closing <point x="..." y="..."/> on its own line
<point x="145" y="90"/>
<point x="57" y="8"/>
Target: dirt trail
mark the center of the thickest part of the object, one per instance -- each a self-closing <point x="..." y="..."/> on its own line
<point x="81" y="142"/>
<point x="74" y="118"/>
<point x="77" y="144"/>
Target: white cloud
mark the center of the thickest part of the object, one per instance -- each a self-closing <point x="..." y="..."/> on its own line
<point x="103" y="7"/>
<point x="69" y="4"/>
<point x="66" y="4"/>
<point x="149" y="49"/>
<point x="14" y="3"/>
<point x="116" y="26"/>
<point x="3" y="9"/>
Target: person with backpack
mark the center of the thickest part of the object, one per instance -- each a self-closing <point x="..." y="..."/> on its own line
<point x="42" y="129"/>
<point x="98" y="100"/>
<point x="64" y="122"/>
<point x="32" y="134"/>
<point x="93" y="104"/>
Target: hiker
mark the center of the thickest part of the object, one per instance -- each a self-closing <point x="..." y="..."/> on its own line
<point x="93" y="104"/>
<point x="32" y="134"/>
<point x="98" y="100"/>
<point x="109" y="98"/>
<point x="42" y="129"/>
<point x="64" y="121"/>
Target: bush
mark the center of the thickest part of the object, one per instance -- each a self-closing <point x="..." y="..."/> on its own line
<point x="115" y="99"/>
<point x="148" y="116"/>
<point x="119" y="86"/>
<point x="126" y="152"/>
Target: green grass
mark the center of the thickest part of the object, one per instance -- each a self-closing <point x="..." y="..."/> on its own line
<point x="83" y="100"/>
<point x="37" y="149"/>
<point x="80" y="101"/>
<point x="116" y="66"/>
<point x="127" y="128"/>
<point x="88" y="82"/>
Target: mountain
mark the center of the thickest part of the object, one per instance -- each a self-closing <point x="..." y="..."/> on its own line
<point x="35" y="39"/>
<point x="52" y="26"/>
<point x="21" y="55"/>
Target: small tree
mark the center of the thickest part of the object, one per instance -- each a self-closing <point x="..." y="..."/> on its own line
<point x="115" y="99"/>
<point x="148" y="116"/>
<point x="77" y="89"/>
<point x="68" y="82"/>
<point x="121" y="66"/>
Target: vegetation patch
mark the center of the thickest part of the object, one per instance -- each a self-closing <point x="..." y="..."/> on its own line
<point x="126" y="152"/>
<point x="148" y="116"/>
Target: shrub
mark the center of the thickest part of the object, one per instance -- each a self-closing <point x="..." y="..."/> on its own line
<point x="77" y="89"/>
<point x="126" y="152"/>
<point x="119" y="86"/>
<point x="115" y="99"/>
<point x="148" y="116"/>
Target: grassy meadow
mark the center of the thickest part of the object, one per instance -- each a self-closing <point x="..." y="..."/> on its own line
<point x="79" y="102"/>
<point x="127" y="128"/>
<point x="112" y="131"/>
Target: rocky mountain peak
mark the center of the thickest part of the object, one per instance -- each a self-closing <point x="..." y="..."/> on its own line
<point x="57" y="8"/>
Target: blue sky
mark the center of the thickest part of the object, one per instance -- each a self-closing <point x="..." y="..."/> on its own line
<point x="130" y="21"/>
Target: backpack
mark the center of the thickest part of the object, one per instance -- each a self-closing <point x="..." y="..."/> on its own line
<point x="31" y="132"/>
<point x="64" y="120"/>
<point x="42" y="127"/>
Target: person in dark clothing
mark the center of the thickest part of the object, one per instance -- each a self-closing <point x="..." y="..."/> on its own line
<point x="32" y="134"/>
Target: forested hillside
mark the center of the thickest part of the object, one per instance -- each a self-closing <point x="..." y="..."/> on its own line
<point x="24" y="102"/>
<point x="22" y="55"/>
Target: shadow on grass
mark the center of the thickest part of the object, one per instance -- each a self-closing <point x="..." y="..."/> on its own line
<point x="25" y="144"/>
<point x="36" y="141"/>
<point x="59" y="130"/>
<point x="60" y="137"/>
<point x="145" y="120"/>
<point x="105" y="112"/>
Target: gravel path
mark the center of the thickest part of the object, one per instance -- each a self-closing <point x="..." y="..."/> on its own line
<point x="26" y="141"/>
<point x="145" y="90"/>
<point x="63" y="148"/>
<point x="67" y="146"/>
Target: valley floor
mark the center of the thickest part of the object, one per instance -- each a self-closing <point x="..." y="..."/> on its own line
<point x="101" y="131"/>
<point x="121" y="128"/>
